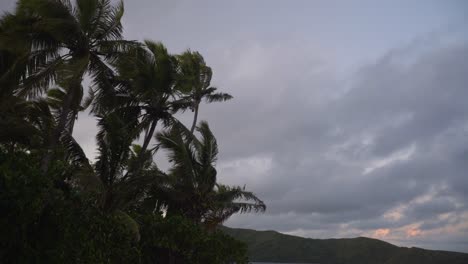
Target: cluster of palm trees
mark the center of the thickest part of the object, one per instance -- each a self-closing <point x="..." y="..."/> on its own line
<point x="48" y="48"/>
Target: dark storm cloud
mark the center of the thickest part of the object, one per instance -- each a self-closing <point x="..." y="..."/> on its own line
<point x="397" y="134"/>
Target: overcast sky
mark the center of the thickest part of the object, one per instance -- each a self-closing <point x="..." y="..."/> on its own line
<point x="349" y="118"/>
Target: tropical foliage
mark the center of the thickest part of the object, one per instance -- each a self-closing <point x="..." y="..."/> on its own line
<point x="59" y="206"/>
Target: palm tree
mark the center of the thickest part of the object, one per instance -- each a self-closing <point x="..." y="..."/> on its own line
<point x="25" y="123"/>
<point x="194" y="79"/>
<point x="146" y="77"/>
<point x="190" y="188"/>
<point x="106" y="178"/>
<point x="14" y="110"/>
<point x="72" y="41"/>
<point x="35" y="52"/>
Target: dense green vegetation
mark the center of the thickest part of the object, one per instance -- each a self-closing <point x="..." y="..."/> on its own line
<point x="56" y="205"/>
<point x="271" y="246"/>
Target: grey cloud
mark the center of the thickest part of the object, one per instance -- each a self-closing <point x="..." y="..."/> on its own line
<point x="7" y="6"/>
<point x="306" y="124"/>
<point x="421" y="104"/>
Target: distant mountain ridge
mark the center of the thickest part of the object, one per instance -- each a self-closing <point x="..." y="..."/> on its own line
<point x="271" y="246"/>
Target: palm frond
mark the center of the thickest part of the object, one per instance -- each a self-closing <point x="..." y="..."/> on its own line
<point x="40" y="79"/>
<point x="208" y="147"/>
<point x="73" y="150"/>
<point x="179" y="153"/>
<point x="113" y="50"/>
<point x="15" y="124"/>
<point x="88" y="100"/>
<point x="102" y="84"/>
<point x="218" y="97"/>
<point x="108" y="25"/>
<point x="231" y="200"/>
<point x="86" y="13"/>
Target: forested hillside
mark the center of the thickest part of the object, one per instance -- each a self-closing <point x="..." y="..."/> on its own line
<point x="271" y="246"/>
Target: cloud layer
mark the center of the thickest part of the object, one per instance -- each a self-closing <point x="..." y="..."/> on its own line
<point x="346" y="120"/>
<point x="384" y="157"/>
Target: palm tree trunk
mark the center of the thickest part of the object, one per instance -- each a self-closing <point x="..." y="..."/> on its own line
<point x="149" y="136"/>
<point x="195" y="117"/>
<point x="57" y="132"/>
<point x="72" y="122"/>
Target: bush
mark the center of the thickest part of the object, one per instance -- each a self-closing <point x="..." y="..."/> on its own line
<point x="46" y="221"/>
<point x="175" y="239"/>
<point x="42" y="222"/>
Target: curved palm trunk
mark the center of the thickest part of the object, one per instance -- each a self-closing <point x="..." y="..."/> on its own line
<point x="149" y="136"/>
<point x="195" y="117"/>
<point x="72" y="121"/>
<point x="57" y="132"/>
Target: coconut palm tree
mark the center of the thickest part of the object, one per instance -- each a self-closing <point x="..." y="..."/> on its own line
<point x="13" y="110"/>
<point x="194" y="79"/>
<point x="105" y="179"/>
<point x="146" y="80"/>
<point x="35" y="53"/>
<point x="148" y="73"/>
<point x="191" y="187"/>
<point x="113" y="139"/>
<point x="71" y="40"/>
<point x="24" y="123"/>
